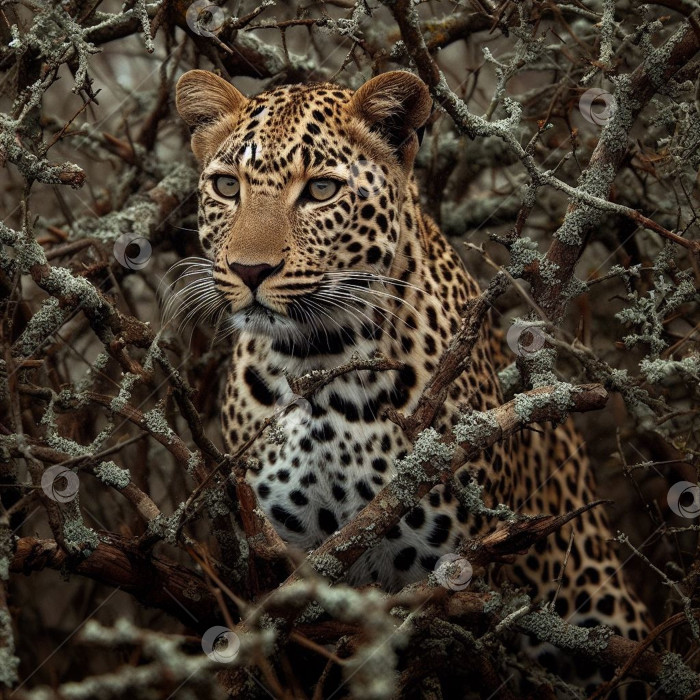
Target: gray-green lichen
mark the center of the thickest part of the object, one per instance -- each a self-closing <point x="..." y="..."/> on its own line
<point x="112" y="475"/>
<point x="97" y="366"/>
<point x="371" y="671"/>
<point x="8" y="661"/>
<point x="166" y="527"/>
<point x="217" y="501"/>
<point x="61" y="281"/>
<point x="646" y="313"/>
<point x="367" y="538"/>
<point x="410" y="473"/>
<point x="560" y="396"/>
<point x="125" y="388"/>
<point x="540" y="366"/>
<point x="475" y="427"/>
<point x="157" y="423"/>
<point x="471" y="496"/>
<point x="676" y="678"/>
<point x="6" y="552"/>
<point x="193" y="461"/>
<point x="656" y="371"/>
<point x="310" y="614"/>
<point x="78" y="538"/>
<point x="136" y="220"/>
<point x="166" y="658"/>
<point x="69" y="400"/>
<point x="523" y="252"/>
<point x="510" y="380"/>
<point x="547" y="626"/>
<point x="503" y="602"/>
<point x="548" y="271"/>
<point x="276" y="434"/>
<point x="574" y="287"/>
<point x="141" y="214"/>
<point x="58" y="442"/>
<point x="42" y="325"/>
<point x="328" y="566"/>
<point x="594" y="181"/>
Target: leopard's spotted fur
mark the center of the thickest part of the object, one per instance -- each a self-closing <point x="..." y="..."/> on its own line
<point x="314" y="309"/>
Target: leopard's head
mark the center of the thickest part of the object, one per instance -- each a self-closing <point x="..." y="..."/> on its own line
<point x="300" y="195"/>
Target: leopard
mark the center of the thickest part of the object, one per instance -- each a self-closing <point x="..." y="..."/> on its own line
<point x="317" y="252"/>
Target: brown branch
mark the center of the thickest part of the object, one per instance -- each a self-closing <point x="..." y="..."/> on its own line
<point x="312" y="383"/>
<point x="404" y="491"/>
<point x="589" y="199"/>
<point x="570" y="239"/>
<point x="237" y="58"/>
<point x="517" y="536"/>
<point x="170" y="441"/>
<point x="617" y="651"/>
<point x="455" y="360"/>
<point x="118" y="562"/>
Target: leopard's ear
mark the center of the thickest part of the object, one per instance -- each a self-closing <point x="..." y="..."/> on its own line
<point x="202" y="100"/>
<point x="202" y="97"/>
<point x="395" y="104"/>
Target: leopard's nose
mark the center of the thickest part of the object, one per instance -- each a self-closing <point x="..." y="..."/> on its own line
<point x="253" y="275"/>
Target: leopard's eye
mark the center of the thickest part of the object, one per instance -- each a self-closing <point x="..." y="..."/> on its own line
<point x="226" y="186"/>
<point x="321" y="189"/>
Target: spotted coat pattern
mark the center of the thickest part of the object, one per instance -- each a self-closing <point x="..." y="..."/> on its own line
<point x="366" y="271"/>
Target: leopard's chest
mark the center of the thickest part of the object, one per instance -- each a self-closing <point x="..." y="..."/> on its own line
<point x="323" y="461"/>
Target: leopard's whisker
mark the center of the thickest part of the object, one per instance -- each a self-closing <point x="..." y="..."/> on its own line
<point x="352" y="308"/>
<point x="226" y="333"/>
<point x="309" y="308"/>
<point x="374" y="277"/>
<point x="349" y="293"/>
<point x="182" y="298"/>
<point x="377" y="292"/>
<point x="197" y="308"/>
<point x="329" y="317"/>
<point x="191" y="262"/>
<point x="193" y="297"/>
<point x="342" y="300"/>
<point x="172" y="302"/>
